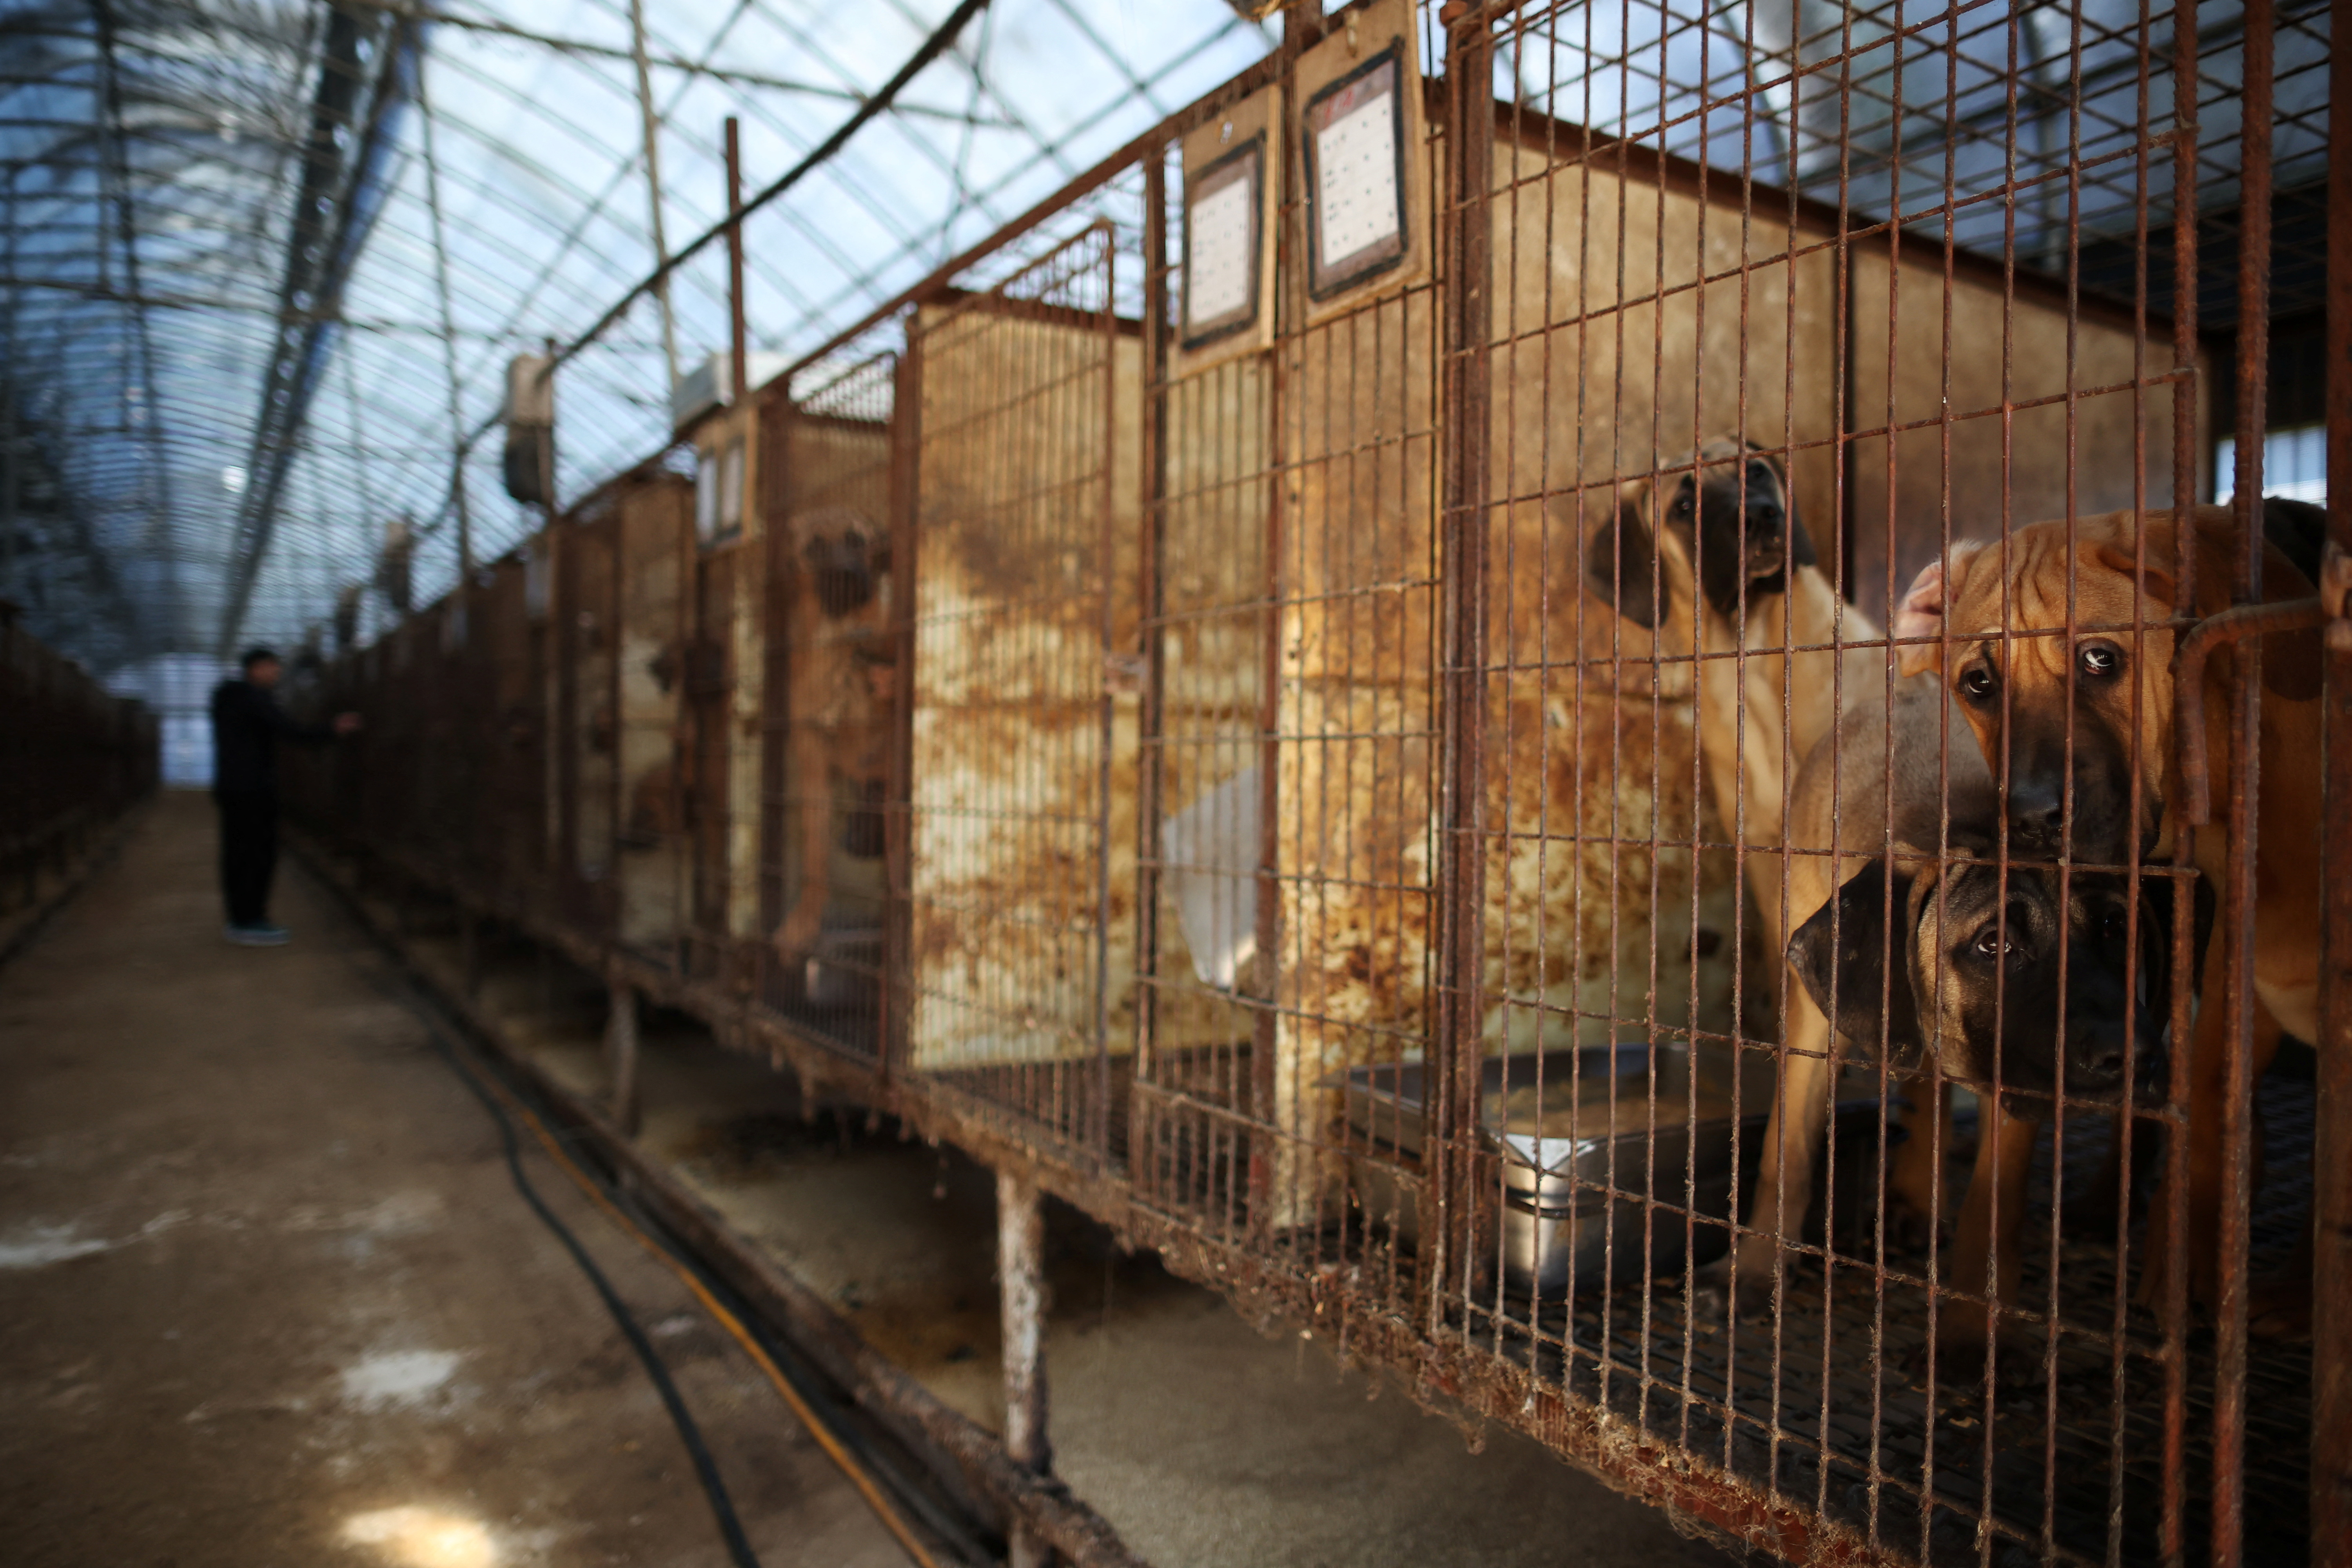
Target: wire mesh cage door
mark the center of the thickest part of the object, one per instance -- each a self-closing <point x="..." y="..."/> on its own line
<point x="1854" y="1060"/>
<point x="1292" y="859"/>
<point x="1022" y="720"/>
<point x="834" y="694"/>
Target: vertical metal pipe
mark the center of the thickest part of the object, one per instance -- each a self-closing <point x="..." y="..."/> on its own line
<point x="448" y="330"/>
<point x="8" y="405"/>
<point x="1151" y="780"/>
<point x="893" y="1035"/>
<point x="621" y="1041"/>
<point x="651" y="122"/>
<point x="1467" y="233"/>
<point x="736" y="389"/>
<point x="1021" y="1281"/>
<point x="2173" y="1288"/>
<point x="2331" y="1150"/>
<point x="2238" y="892"/>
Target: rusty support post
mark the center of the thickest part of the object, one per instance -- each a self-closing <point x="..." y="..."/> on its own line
<point x="2237" y="893"/>
<point x="1021" y="1284"/>
<point x="738" y="366"/>
<point x="1467" y="235"/>
<point x="2331" y="1149"/>
<point x="1152" y="722"/>
<point x="621" y="1035"/>
<point x="892" y="1037"/>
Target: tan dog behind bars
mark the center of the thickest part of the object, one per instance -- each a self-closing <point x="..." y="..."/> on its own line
<point x="2083" y="720"/>
<point x="838" y="696"/>
<point x="1712" y="557"/>
<point x="1922" y="942"/>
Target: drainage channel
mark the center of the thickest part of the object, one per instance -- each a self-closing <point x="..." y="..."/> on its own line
<point x="947" y="1486"/>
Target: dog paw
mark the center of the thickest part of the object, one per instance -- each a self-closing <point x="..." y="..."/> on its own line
<point x="1740" y="1283"/>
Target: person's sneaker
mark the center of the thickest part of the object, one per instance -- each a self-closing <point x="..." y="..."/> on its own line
<point x="259" y="936"/>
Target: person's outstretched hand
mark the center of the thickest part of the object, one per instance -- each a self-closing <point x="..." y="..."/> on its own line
<point x="346" y="723"/>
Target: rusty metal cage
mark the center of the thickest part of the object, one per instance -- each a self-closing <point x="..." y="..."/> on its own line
<point x="833" y="692"/>
<point x="1529" y="686"/>
<point x="74" y="758"/>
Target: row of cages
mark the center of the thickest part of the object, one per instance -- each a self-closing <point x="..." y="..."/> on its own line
<point x="73" y="758"/>
<point x="1602" y="693"/>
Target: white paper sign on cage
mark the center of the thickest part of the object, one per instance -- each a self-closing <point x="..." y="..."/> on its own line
<point x="1356" y="160"/>
<point x="1211" y="849"/>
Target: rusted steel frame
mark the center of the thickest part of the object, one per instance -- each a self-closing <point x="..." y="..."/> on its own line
<point x="2173" y="1288"/>
<point x="1685" y="176"/>
<point x="2236" y="926"/>
<point x="737" y="362"/>
<point x="1021" y="1289"/>
<point x="1255" y="1150"/>
<point x="1465" y="225"/>
<point x="893" y="1038"/>
<point x="1150" y="782"/>
<point x="2331" y="1147"/>
<point x="1105" y="322"/>
<point x="2216" y="631"/>
<point x="995" y="303"/>
<point x="1272" y="67"/>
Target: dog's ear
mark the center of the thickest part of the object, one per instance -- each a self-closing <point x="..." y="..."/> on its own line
<point x="2290" y="660"/>
<point x="1621" y="559"/>
<point x="1920" y="615"/>
<point x="1841" y="955"/>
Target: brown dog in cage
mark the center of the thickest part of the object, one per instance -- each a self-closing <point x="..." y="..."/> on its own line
<point x="1711" y="556"/>
<point x="2086" y="722"/>
<point x="839" y="692"/>
<point x="1920" y="943"/>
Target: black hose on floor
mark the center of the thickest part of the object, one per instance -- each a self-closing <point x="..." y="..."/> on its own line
<point x="705" y="1471"/>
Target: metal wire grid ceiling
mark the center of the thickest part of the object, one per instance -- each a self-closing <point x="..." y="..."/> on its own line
<point x="266" y="260"/>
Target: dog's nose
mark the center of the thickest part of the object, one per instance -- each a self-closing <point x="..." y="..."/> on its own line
<point x="2100" y="1065"/>
<point x="2036" y="812"/>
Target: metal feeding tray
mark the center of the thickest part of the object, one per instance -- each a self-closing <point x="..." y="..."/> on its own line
<point x="1574" y="1134"/>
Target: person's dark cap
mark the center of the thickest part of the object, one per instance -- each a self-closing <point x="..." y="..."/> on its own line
<point x="256" y="655"/>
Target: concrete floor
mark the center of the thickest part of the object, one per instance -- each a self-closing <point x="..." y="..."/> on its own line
<point x="267" y="1295"/>
<point x="264" y="1285"/>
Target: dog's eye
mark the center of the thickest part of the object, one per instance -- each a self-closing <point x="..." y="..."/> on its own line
<point x="1978" y="683"/>
<point x="1991" y="943"/>
<point x="1683" y="503"/>
<point x="2099" y="659"/>
<point x="2115" y="926"/>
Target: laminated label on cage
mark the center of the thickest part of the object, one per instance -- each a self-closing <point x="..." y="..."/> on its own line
<point x="1364" y="160"/>
<point x="1232" y="185"/>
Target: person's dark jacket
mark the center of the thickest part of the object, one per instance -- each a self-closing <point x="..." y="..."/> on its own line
<point x="248" y="724"/>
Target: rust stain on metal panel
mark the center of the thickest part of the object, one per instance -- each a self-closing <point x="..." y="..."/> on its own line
<point x="1010" y="682"/>
<point x="656" y="523"/>
<point x="1355" y="851"/>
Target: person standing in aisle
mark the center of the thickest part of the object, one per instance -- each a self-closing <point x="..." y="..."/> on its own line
<point x="248" y="724"/>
